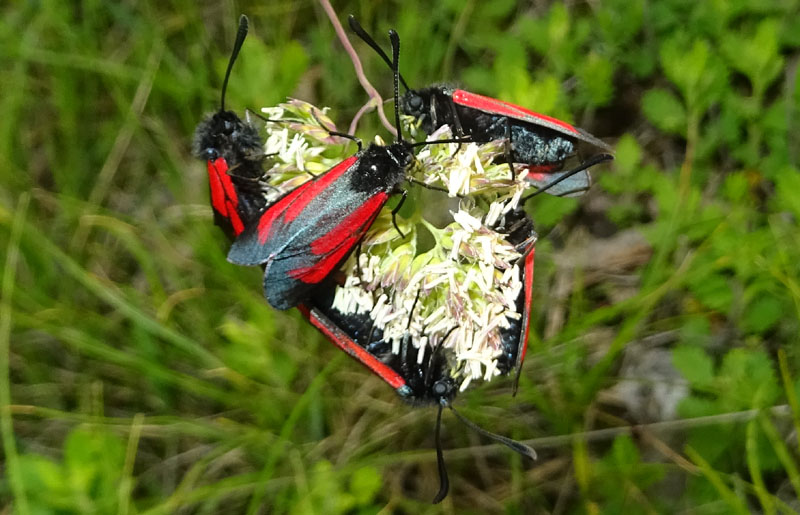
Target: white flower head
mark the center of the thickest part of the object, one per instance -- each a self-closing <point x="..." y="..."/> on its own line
<point x="457" y="294"/>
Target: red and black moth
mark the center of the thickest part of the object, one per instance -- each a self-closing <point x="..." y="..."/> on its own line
<point x="234" y="153"/>
<point x="363" y="180"/>
<point x="542" y="142"/>
<point x="306" y="234"/>
<point x="432" y="380"/>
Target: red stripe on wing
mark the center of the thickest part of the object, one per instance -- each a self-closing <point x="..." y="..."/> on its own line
<point x="339" y="338"/>
<point x="292" y="204"/>
<point x="334" y="245"/>
<point x="526" y="311"/>
<point x="236" y="222"/>
<point x="224" y="199"/>
<point x="275" y="210"/>
<point x="494" y="106"/>
<point x="541" y="172"/>
<point x="220" y="183"/>
<point x="316" y="186"/>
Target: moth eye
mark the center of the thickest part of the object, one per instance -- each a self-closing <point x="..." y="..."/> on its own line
<point x="211" y="154"/>
<point x="415" y="102"/>
<point x="440" y="388"/>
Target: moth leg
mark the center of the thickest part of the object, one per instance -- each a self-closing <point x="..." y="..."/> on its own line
<point x="395" y="211"/>
<point x="459" y="130"/>
<point x="336" y="133"/>
<point x="358" y="260"/>
<point x="508" y="149"/>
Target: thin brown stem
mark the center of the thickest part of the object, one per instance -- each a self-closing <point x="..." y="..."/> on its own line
<point x="354" y="124"/>
<point x="375" y="98"/>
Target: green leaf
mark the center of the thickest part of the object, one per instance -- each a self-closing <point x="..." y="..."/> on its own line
<point x="696" y="71"/>
<point x="365" y="484"/>
<point x="628" y="155"/>
<point x="747" y="380"/>
<point x="620" y="21"/>
<point x="88" y="480"/>
<point x="511" y="65"/>
<point x="327" y="494"/>
<point x="693" y="407"/>
<point x="714" y="291"/>
<point x="736" y="187"/>
<point x="624" y="453"/>
<point x="41" y="475"/>
<point x="665" y="111"/>
<point x="247" y="354"/>
<point x="709" y="18"/>
<point x="790" y="32"/>
<point x="489" y="11"/>
<point x="695" y="330"/>
<point x="558" y="25"/>
<point x="706" y="220"/>
<point x="622" y="214"/>
<point x="731" y="119"/>
<point x="596" y="75"/>
<point x="715" y="442"/>
<point x="695" y="365"/>
<point x="93" y="461"/>
<point x="541" y="95"/>
<point x="620" y="470"/>
<point x="757" y="57"/>
<point x="783" y="143"/>
<point x="559" y="39"/>
<point x="532" y="29"/>
<point x="762" y="314"/>
<point x="549" y="210"/>
<point x="787" y="186"/>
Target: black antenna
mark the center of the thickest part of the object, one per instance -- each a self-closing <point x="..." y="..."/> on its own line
<point x="237" y="45"/>
<point x="599" y="158"/>
<point x="395" y="39"/>
<point x="360" y="32"/>
<point x="466" y="139"/>
<point x="508" y="442"/>
<point x="444" y="482"/>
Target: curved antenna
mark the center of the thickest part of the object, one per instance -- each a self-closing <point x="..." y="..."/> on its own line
<point x="508" y="442"/>
<point x="467" y="139"/>
<point x="596" y="159"/>
<point x="263" y="118"/>
<point x="237" y="45"/>
<point x="360" y="32"/>
<point x="444" y="482"/>
<point x="395" y="39"/>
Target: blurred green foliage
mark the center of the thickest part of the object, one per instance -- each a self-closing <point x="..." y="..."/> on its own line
<point x="145" y="374"/>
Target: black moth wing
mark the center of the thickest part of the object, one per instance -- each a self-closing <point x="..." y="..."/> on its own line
<point x="495" y="107"/>
<point x="306" y="234"/>
<point x="430" y="380"/>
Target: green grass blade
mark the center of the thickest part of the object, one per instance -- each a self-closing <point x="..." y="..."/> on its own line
<point x="6" y="423"/>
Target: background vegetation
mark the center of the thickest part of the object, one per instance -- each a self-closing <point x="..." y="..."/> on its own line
<point x="145" y="374"/>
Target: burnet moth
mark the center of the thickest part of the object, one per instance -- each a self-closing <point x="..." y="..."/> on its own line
<point x="542" y="142"/>
<point x="420" y="377"/>
<point x="423" y="376"/>
<point x="234" y="155"/>
<point x="431" y="372"/>
<point x="306" y="234"/>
